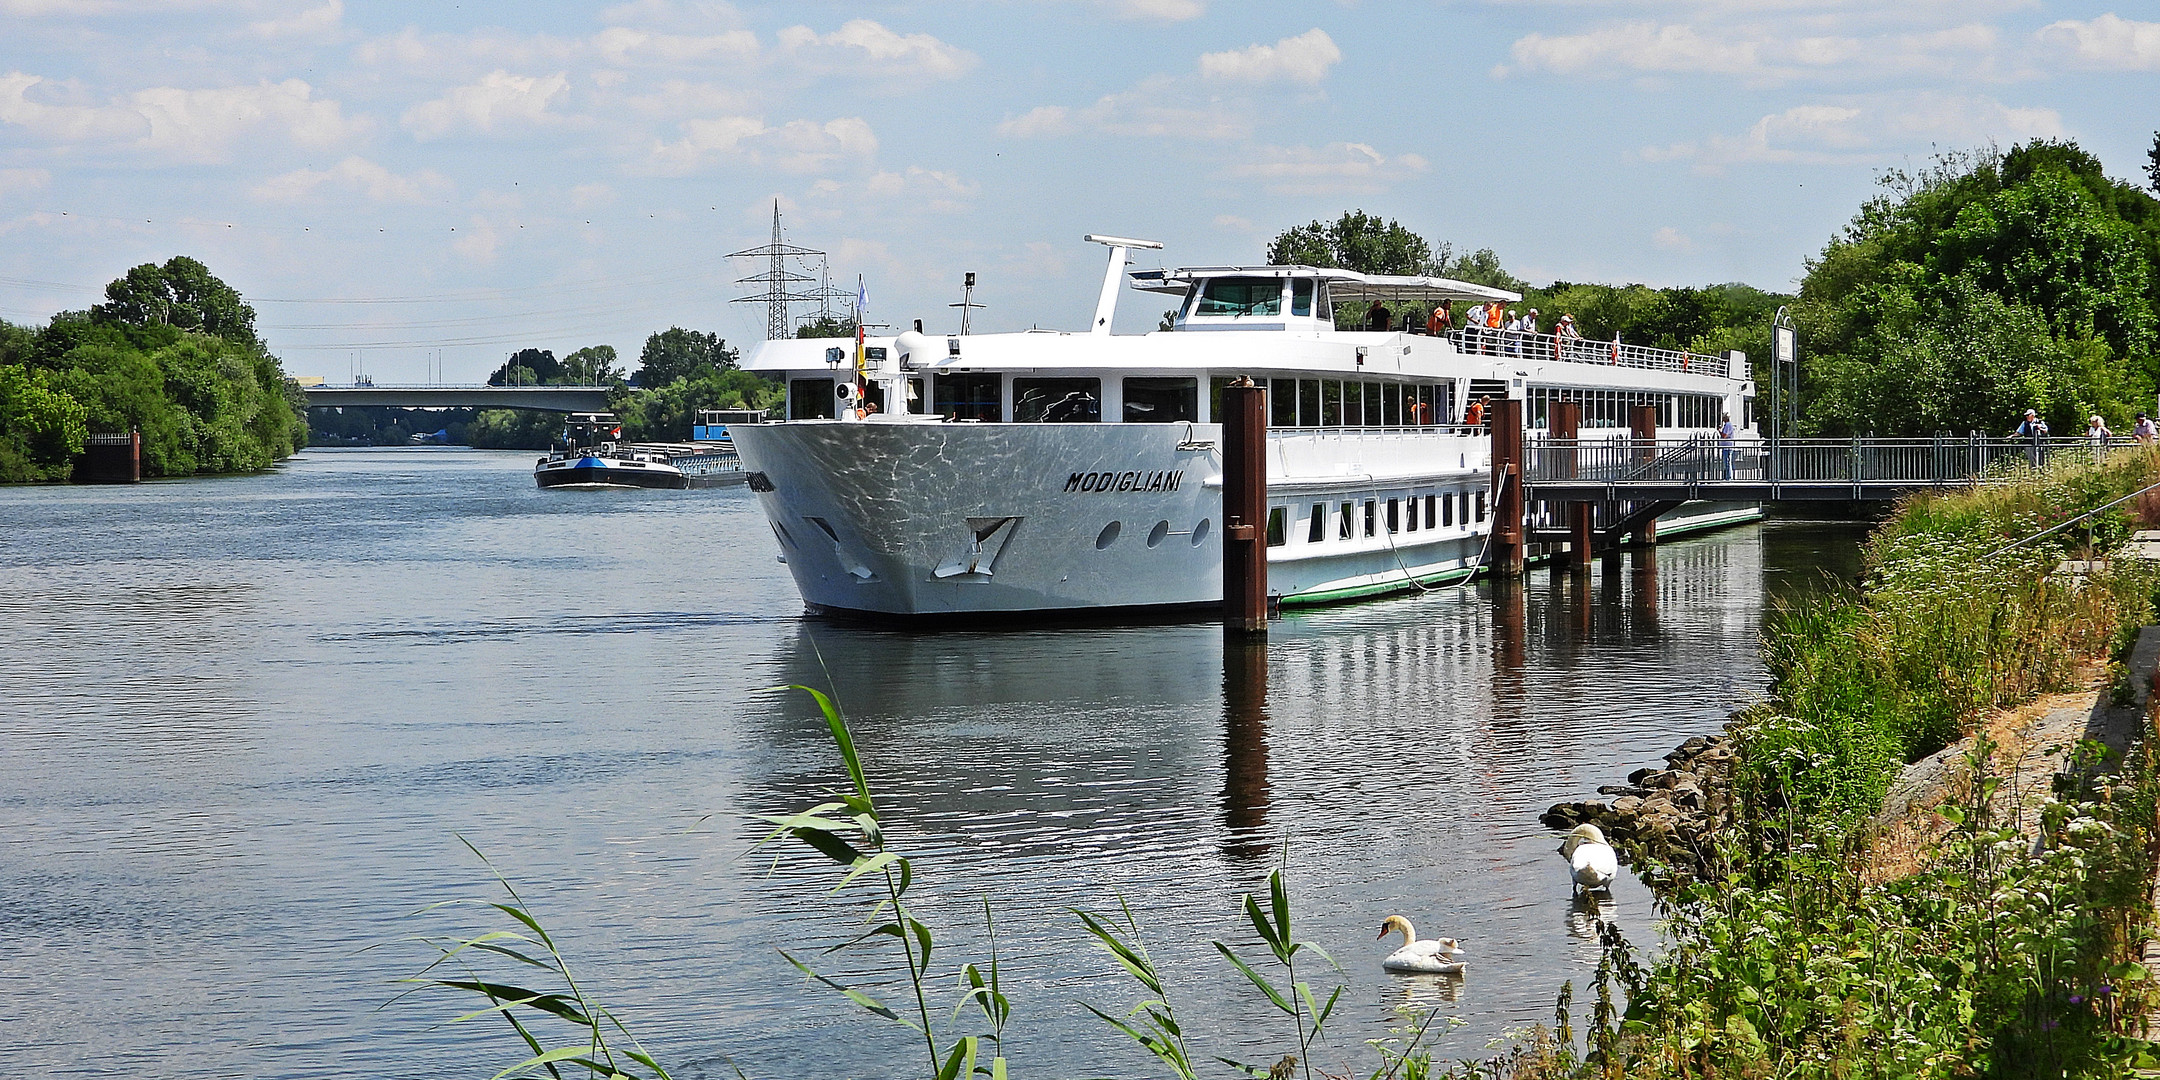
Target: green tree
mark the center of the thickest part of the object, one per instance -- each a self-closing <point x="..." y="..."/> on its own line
<point x="2056" y="262"/>
<point x="592" y="365"/>
<point x="675" y="353"/>
<point x="515" y="429"/>
<point x="666" y="412"/>
<point x="182" y="294"/>
<point x="42" y="426"/>
<point x="528" y="367"/>
<point x="2152" y="162"/>
<point x="827" y="326"/>
<point x="1480" y="267"/>
<point x="1356" y="241"/>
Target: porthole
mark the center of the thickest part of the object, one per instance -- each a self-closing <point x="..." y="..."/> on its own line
<point x="1199" y="533"/>
<point x="1156" y="534"/>
<point x="1107" y="537"/>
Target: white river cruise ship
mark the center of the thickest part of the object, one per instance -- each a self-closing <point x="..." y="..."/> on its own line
<point x="1049" y="473"/>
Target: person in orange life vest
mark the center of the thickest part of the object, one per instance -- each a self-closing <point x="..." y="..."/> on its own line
<point x="1475" y="415"/>
<point x="1437" y="323"/>
<point x="1419" y="413"/>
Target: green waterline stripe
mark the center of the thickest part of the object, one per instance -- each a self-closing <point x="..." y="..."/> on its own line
<point x="1445" y="577"/>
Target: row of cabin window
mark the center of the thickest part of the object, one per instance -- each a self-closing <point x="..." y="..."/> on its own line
<point x="1437" y="511"/>
<point x="1148" y="400"/>
<point x="1609" y="408"/>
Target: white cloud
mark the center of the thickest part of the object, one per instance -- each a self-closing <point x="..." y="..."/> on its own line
<point x="16" y="181"/>
<point x="479" y="242"/>
<point x="1761" y="51"/>
<point x="864" y="47"/>
<point x="1305" y="58"/>
<point x="1159" y="107"/>
<point x="1343" y="168"/>
<point x="1672" y="239"/>
<point x="2109" y="41"/>
<point x="1866" y="131"/>
<point x="1160" y="10"/>
<point x="355" y="174"/>
<point x="678" y="98"/>
<point x="499" y="100"/>
<point x="799" y="146"/>
<point x="701" y="16"/>
<point x="622" y="45"/>
<point x="314" y="22"/>
<point x="60" y="8"/>
<point x="1041" y="120"/>
<point x="192" y="125"/>
<point x="927" y="189"/>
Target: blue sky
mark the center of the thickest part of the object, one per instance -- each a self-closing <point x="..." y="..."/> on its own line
<point x="397" y="183"/>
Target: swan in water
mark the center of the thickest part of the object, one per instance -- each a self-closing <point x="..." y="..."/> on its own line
<point x="1438" y="956"/>
<point x="1591" y="860"/>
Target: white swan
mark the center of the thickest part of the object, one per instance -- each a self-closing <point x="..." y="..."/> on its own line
<point x="1591" y="860"/>
<point x="1438" y="956"/>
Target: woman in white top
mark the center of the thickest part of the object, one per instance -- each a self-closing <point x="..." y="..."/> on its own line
<point x="2097" y="433"/>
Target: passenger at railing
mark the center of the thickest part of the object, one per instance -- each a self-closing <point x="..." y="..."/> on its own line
<point x="1438" y="323"/>
<point x="1377" y="317"/>
<point x="2032" y="428"/>
<point x="1725" y="433"/>
<point x="1495" y="318"/>
<point x="1513" y="330"/>
<point x="1420" y="414"/>
<point x="1473" y="322"/>
<point x="1474" y="416"/>
<point x="2143" y="432"/>
<point x="1567" y="340"/>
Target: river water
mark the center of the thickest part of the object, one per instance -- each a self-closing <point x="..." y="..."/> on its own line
<point x="246" y="722"/>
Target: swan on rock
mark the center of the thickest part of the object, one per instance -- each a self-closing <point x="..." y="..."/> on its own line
<point x="1591" y="861"/>
<point x="1436" y="956"/>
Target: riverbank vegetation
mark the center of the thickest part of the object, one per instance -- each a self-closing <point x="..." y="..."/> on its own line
<point x="172" y="353"/>
<point x="2008" y="951"/>
<point x="1988" y="283"/>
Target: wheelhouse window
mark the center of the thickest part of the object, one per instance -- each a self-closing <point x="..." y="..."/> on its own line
<point x="1240" y="296"/>
<point x="1282" y="403"/>
<point x="1161" y="401"/>
<point x="1301" y="296"/>
<point x="810" y="399"/>
<point x="875" y="394"/>
<point x="1057" y="401"/>
<point x="969" y="396"/>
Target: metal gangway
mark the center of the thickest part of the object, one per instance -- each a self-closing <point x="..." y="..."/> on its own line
<point x="1625" y="467"/>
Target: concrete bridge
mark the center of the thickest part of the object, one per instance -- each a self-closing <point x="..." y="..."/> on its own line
<point x="563" y="399"/>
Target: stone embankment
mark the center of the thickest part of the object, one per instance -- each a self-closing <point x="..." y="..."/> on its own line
<point x="1670" y="816"/>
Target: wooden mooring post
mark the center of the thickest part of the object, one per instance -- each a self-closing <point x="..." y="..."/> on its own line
<point x="1509" y="531"/>
<point x="1244" y="441"/>
<point x="1566" y="423"/>
<point x="1642" y="423"/>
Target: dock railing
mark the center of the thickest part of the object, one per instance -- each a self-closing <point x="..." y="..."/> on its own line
<point x="1703" y="458"/>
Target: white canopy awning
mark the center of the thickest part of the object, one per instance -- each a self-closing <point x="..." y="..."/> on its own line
<point x="1345" y="286"/>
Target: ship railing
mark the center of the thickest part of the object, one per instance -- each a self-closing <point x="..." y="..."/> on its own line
<point x="1346" y="431"/>
<point x="1517" y="344"/>
<point x="1704" y="458"/>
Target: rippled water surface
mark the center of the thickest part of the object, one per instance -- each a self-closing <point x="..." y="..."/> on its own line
<point x="246" y="721"/>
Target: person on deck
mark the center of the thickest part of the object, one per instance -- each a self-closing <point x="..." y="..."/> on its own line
<point x="1438" y="322"/>
<point x="1377" y="317"/>
<point x="1725" y="433"/>
<point x="1495" y="317"/>
<point x="1475" y="414"/>
<point x="1566" y="337"/>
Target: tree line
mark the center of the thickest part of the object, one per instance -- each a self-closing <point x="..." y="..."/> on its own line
<point x="1985" y="284"/>
<point x="172" y="353"/>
